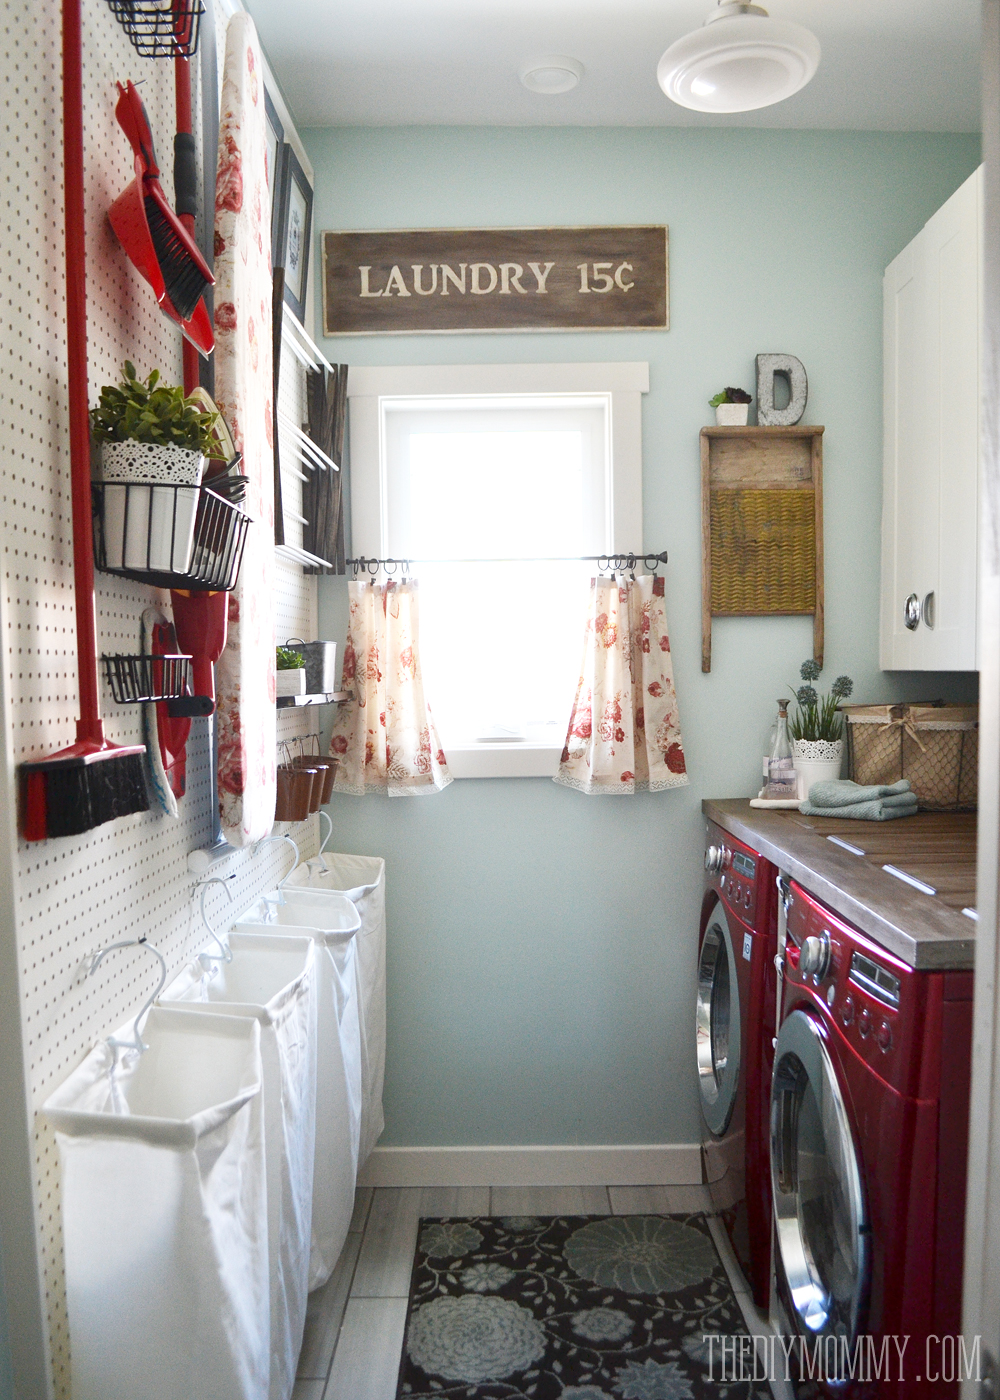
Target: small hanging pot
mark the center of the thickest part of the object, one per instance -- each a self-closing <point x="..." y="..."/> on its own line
<point x="294" y="793"/>
<point x="305" y="763"/>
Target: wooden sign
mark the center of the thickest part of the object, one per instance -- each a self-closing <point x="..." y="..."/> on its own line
<point x="552" y="279"/>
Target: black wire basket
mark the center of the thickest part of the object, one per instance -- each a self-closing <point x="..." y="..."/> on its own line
<point x="168" y="536"/>
<point x="140" y="680"/>
<point x="160" y="30"/>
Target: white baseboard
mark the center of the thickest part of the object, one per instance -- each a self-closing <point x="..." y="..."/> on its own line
<point x="656" y="1164"/>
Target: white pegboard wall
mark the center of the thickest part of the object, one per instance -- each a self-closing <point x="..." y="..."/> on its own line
<point x="128" y="877"/>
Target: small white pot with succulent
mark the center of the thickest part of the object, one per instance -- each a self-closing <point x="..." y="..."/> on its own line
<point x="290" y="677"/>
<point x="153" y="441"/>
<point x="731" y="407"/>
<point x="817" y="731"/>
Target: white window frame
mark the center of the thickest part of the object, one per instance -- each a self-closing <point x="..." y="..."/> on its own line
<point x="621" y="383"/>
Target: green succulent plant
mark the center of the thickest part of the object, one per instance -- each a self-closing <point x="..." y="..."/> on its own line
<point x="816" y="716"/>
<point x="730" y="395"/>
<point x="288" y="659"/>
<point x="144" y="410"/>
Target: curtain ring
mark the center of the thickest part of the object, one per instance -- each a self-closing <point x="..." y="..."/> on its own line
<point x="373" y="565"/>
<point x="603" y="563"/>
<point x="655" y="564"/>
<point x="390" y="573"/>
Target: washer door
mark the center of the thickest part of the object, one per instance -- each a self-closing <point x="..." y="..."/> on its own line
<point x="718" y="1023"/>
<point x="819" y="1208"/>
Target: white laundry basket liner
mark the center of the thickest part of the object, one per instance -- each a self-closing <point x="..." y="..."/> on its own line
<point x="338" y="1085"/>
<point x="273" y="979"/>
<point x="362" y="880"/>
<point x="163" y="1195"/>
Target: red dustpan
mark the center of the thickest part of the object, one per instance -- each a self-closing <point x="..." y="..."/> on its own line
<point x="155" y="240"/>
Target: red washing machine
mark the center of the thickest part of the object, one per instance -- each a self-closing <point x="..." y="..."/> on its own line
<point x="869" y="1132"/>
<point x="735" y="1027"/>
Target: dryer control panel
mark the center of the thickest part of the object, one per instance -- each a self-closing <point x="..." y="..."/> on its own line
<point x="735" y="871"/>
<point x="881" y="1007"/>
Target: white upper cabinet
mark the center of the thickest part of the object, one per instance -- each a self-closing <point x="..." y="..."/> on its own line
<point x="932" y="301"/>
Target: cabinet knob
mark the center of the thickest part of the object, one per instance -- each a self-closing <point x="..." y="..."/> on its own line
<point x="911" y="613"/>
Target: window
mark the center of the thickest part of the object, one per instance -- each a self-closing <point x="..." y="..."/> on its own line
<point x="523" y="467"/>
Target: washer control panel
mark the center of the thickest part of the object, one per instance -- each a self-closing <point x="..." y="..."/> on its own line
<point x="736" y="870"/>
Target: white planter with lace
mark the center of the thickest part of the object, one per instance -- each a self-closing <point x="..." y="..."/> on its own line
<point x="149" y="526"/>
<point x="816" y="761"/>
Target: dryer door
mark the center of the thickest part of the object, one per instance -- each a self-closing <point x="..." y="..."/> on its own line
<point x="819" y="1208"/>
<point x="718" y="1023"/>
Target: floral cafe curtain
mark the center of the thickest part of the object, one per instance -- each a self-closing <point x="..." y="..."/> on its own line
<point x="384" y="737"/>
<point x="624" y="732"/>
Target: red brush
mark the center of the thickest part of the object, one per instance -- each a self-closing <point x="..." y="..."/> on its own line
<point x="154" y="238"/>
<point x="92" y="781"/>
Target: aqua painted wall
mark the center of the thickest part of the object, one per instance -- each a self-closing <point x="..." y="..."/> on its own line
<point x="542" y="943"/>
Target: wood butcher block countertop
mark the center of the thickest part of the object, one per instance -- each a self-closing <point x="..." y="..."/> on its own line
<point x="937" y="848"/>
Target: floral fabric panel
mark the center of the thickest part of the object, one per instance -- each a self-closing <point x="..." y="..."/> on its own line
<point x="245" y="721"/>
<point x="624" y="732"/>
<point x="384" y="736"/>
<point x="570" y="1308"/>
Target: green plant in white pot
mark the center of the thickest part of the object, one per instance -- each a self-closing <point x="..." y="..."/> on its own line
<point x="153" y="442"/>
<point x="817" y="731"/>
<point x="290" y="677"/>
<point x="731" y="407"/>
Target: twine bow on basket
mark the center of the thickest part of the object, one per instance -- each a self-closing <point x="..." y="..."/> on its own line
<point x="905" y="723"/>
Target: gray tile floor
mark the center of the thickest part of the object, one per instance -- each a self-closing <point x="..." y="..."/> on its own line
<point x="354" y="1327"/>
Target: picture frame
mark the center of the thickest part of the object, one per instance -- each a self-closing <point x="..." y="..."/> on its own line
<point x="275" y="136"/>
<point x="295" y="231"/>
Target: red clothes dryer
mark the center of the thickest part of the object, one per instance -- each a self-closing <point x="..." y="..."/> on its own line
<point x="735" y="1027"/>
<point x="869" y="1131"/>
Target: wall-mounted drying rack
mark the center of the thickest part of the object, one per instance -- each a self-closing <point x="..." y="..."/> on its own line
<point x="295" y="702"/>
<point x="301" y="343"/>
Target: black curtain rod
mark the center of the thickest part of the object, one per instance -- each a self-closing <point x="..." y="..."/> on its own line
<point x="615" y="562"/>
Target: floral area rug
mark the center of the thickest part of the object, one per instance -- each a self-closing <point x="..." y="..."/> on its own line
<point x="569" y="1308"/>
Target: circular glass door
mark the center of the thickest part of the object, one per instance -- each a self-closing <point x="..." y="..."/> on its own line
<point x="718" y="1023"/>
<point x="819" y="1208"/>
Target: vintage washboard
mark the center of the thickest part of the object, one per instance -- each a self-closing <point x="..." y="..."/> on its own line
<point x="762" y="527"/>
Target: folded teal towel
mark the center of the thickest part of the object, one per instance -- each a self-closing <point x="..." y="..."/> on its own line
<point x="877" y="810"/>
<point x="843" y="793"/>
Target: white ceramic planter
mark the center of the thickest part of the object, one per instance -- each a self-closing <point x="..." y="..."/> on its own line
<point x="290" y="682"/>
<point x="816" y="761"/>
<point x="149" y="526"/>
<point x="731" y="415"/>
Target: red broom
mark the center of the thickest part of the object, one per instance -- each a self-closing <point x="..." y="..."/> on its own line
<point x="93" y="781"/>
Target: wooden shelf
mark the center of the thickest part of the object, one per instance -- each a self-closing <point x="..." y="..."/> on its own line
<point x="290" y="702"/>
<point x="773" y="565"/>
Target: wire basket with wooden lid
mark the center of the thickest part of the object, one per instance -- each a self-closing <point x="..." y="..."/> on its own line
<point x="936" y="746"/>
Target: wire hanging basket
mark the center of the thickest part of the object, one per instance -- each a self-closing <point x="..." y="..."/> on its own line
<point x="168" y="29"/>
<point x="139" y="680"/>
<point x="167" y="535"/>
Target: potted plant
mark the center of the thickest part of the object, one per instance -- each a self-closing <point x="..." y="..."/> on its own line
<point x="291" y="672"/>
<point x="153" y="443"/>
<point x="817" y="731"/>
<point x="731" y="407"/>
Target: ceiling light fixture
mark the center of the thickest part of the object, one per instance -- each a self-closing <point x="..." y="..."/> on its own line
<point x="551" y="74"/>
<point x="740" y="60"/>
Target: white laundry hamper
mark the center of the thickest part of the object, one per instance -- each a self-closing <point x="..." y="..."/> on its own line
<point x="163" y="1204"/>
<point x="362" y="880"/>
<point x="338" y="1085"/>
<point x="273" y="980"/>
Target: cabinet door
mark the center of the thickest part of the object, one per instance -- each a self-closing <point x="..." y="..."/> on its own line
<point x="952" y="259"/>
<point x="909" y="478"/>
<point x="931" y="329"/>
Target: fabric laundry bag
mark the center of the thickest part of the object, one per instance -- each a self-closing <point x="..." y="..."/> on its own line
<point x="274" y="981"/>
<point x="362" y="880"/>
<point x="338" y="1084"/>
<point x="163" y="1204"/>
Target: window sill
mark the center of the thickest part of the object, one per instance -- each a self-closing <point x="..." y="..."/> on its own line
<point x="504" y="760"/>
